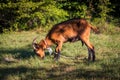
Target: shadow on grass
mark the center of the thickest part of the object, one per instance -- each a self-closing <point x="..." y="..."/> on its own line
<point x="109" y="71"/>
<point x="87" y="75"/>
<point x="63" y="72"/>
<point x="20" y="71"/>
<point x="24" y="53"/>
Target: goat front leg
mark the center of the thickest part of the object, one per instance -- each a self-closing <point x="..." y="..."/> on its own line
<point x="58" y="51"/>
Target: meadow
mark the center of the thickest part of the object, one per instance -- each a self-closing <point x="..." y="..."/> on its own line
<point x="19" y="62"/>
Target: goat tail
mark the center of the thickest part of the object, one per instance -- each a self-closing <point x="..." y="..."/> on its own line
<point x="96" y="30"/>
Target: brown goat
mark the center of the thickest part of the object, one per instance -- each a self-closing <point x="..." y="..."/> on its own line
<point x="67" y="31"/>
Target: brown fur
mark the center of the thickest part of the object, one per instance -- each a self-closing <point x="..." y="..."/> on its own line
<point x="69" y="31"/>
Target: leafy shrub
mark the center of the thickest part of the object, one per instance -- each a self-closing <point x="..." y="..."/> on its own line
<point x="25" y="15"/>
<point x="28" y="14"/>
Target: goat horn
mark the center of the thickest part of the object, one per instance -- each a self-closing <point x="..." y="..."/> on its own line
<point x="34" y="42"/>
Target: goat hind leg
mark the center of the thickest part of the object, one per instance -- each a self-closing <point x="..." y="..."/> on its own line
<point x="91" y="52"/>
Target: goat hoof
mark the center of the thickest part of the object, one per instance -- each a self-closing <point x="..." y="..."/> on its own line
<point x="56" y="57"/>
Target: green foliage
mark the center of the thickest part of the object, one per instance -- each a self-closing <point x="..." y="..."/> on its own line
<point x="28" y="14"/>
<point x="24" y="14"/>
<point x="74" y="8"/>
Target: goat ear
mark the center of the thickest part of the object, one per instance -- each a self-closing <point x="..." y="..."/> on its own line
<point x="45" y="42"/>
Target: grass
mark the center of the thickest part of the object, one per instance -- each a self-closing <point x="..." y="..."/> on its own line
<point x="71" y="66"/>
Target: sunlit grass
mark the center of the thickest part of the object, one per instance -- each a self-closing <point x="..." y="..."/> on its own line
<point x="72" y="65"/>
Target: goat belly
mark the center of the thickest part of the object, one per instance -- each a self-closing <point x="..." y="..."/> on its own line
<point x="73" y="39"/>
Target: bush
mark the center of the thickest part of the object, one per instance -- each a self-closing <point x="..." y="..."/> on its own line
<point x="28" y="14"/>
<point x="25" y="15"/>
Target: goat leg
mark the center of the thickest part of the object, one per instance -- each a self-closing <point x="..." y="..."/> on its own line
<point x="93" y="55"/>
<point x="57" y="56"/>
<point x="89" y="54"/>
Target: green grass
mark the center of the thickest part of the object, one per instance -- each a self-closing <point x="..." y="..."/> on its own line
<point x="71" y="66"/>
